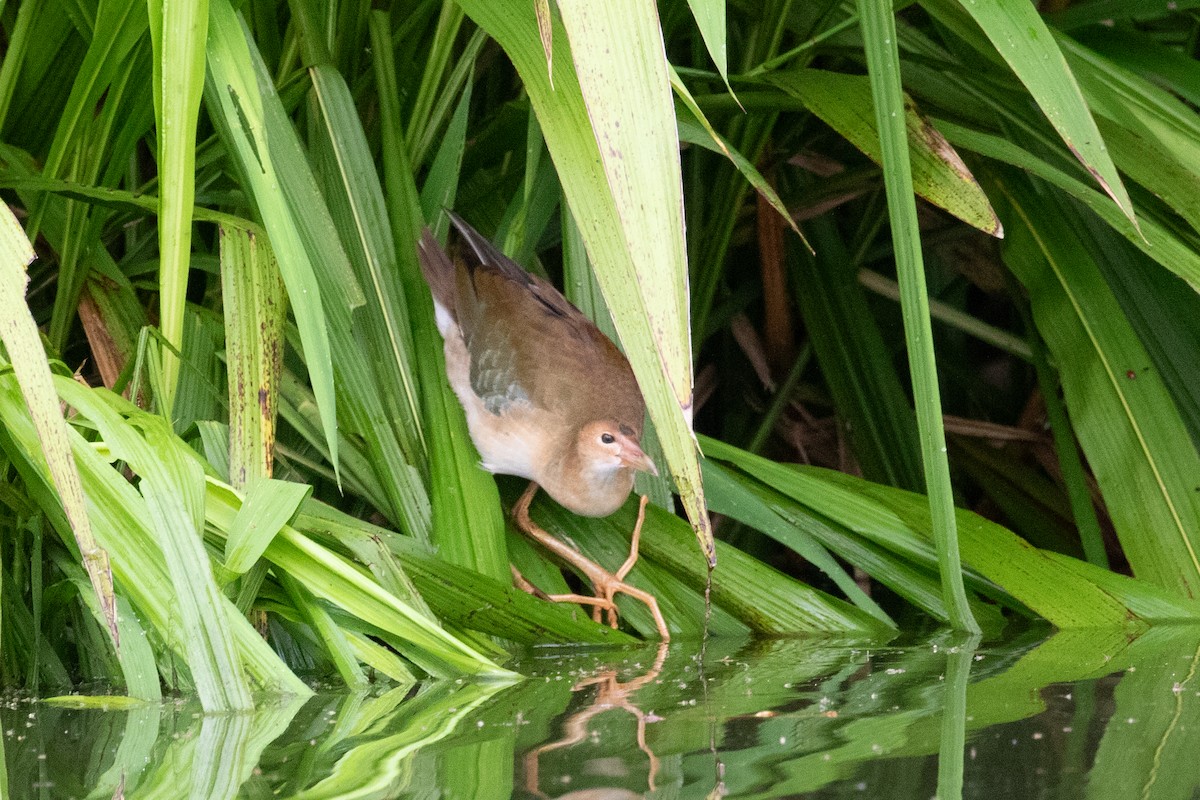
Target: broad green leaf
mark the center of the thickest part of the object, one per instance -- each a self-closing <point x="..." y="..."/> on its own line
<point x="938" y="173"/>
<point x="1155" y="240"/>
<point x="269" y="505"/>
<point x="1020" y="37"/>
<point x="1143" y="599"/>
<point x="610" y="128"/>
<point x="1130" y="430"/>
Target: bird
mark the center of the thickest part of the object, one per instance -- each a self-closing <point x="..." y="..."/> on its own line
<point x="547" y="397"/>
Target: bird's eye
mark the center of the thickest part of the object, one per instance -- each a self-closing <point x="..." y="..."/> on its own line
<point x="607" y="438"/>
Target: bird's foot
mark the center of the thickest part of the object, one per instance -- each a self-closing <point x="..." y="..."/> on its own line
<point x="600" y="603"/>
<point x="606" y="585"/>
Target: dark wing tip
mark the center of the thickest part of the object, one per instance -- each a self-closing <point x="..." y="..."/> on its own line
<point x="480" y="252"/>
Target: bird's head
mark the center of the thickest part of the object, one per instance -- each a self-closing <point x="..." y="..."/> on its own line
<point x="608" y="446"/>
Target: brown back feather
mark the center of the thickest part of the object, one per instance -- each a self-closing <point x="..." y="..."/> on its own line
<point x="515" y="323"/>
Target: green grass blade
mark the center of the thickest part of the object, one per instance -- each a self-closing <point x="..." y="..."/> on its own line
<point x="468" y="523"/>
<point x="901" y="522"/>
<point x="695" y="129"/>
<point x="18" y="330"/>
<point x="252" y="123"/>
<point x="14" y="56"/>
<point x="879" y="34"/>
<point x="368" y="237"/>
<point x="710" y="19"/>
<point x="1150" y="133"/>
<point x="858" y="365"/>
<point x="337" y="643"/>
<point x="441" y="185"/>
<point x="253" y="304"/>
<point x="732" y="498"/>
<point x="458" y="595"/>
<point x="374" y="344"/>
<point x="1073" y="475"/>
<point x="1154" y="239"/>
<point x="139" y="668"/>
<point x="752" y="592"/>
<point x="172" y="481"/>
<point x="120" y="520"/>
<point x="330" y="576"/>
<point x="119" y="26"/>
<point x="178" y="31"/>
<point x="611" y="132"/>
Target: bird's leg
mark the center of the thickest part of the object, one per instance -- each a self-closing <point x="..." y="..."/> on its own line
<point x="634" y="539"/>
<point x="606" y="584"/>
<point x="520" y="513"/>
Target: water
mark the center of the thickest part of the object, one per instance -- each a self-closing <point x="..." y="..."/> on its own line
<point x="1090" y="714"/>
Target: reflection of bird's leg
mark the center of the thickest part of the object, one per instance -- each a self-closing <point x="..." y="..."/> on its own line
<point x="611" y="694"/>
<point x="606" y="584"/>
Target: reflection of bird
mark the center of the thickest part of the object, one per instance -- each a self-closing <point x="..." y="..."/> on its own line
<point x="610" y="694"/>
<point x="547" y="397"/>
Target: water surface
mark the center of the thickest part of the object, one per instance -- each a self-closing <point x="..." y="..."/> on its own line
<point x="1091" y="714"/>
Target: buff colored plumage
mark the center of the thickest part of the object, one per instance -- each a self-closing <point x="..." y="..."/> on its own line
<point x="547" y="396"/>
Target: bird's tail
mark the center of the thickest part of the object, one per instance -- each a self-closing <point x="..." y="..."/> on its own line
<point x="438" y="270"/>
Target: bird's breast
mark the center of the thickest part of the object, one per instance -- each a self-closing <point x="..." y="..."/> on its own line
<point x="589" y="494"/>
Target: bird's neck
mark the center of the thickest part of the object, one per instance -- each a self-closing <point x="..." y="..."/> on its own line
<point x="587" y="491"/>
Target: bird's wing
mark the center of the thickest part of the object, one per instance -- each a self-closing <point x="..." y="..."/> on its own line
<point x="527" y="342"/>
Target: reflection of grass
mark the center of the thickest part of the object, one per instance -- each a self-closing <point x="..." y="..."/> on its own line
<point x="234" y="276"/>
<point x="783" y="718"/>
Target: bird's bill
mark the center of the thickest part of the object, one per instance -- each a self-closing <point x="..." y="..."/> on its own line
<point x="633" y="457"/>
